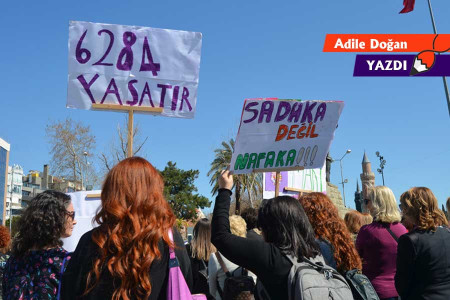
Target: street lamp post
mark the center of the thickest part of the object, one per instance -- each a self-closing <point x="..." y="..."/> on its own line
<point x="382" y="163"/>
<point x="343" y="182"/>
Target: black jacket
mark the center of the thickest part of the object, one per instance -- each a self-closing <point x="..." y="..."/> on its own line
<point x="199" y="270"/>
<point x="423" y="265"/>
<point x="74" y="278"/>
<point x="265" y="260"/>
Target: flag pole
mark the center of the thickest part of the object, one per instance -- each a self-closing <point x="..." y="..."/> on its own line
<point x="443" y="77"/>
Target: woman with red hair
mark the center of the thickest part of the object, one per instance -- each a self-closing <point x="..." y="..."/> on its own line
<point x="330" y="228"/>
<point x="354" y="220"/>
<point x="127" y="255"/>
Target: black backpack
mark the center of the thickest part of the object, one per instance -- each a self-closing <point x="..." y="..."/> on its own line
<point x="360" y="285"/>
<point x="236" y="287"/>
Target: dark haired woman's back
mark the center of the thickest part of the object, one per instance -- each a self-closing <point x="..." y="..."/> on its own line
<point x="264" y="259"/>
<point x="36" y="275"/>
<point x="75" y="276"/>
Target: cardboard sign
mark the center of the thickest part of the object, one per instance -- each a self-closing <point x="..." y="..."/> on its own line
<point x="133" y="66"/>
<point x="279" y="135"/>
<point x="306" y="180"/>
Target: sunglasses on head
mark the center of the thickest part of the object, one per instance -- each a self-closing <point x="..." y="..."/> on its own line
<point x="71" y="214"/>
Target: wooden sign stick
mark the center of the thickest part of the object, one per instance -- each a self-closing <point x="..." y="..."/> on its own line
<point x="131" y="110"/>
<point x="277" y="183"/>
<point x="130" y="133"/>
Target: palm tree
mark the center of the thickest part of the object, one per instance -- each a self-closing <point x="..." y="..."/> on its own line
<point x="243" y="182"/>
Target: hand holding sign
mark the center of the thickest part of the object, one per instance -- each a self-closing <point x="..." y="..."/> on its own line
<point x="226" y="180"/>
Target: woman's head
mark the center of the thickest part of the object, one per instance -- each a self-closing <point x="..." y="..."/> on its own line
<point x="201" y="243"/>
<point x="48" y="218"/>
<point x="133" y="218"/>
<point x="354" y="220"/>
<point x="5" y="239"/>
<point x="327" y="224"/>
<point x="367" y="219"/>
<point x="420" y="207"/>
<point x="448" y="207"/>
<point x="250" y="215"/>
<point x="238" y="226"/>
<point x="382" y="205"/>
<point x="285" y="224"/>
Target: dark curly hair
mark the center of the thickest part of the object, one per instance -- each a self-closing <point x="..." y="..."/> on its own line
<point x="5" y="238"/>
<point x="42" y="223"/>
<point x="250" y="215"/>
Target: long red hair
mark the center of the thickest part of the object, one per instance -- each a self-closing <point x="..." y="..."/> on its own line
<point x="327" y="224"/>
<point x="133" y="218"/>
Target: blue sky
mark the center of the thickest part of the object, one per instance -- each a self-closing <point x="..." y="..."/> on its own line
<point x="250" y="49"/>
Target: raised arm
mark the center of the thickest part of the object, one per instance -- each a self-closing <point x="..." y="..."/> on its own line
<point x="263" y="259"/>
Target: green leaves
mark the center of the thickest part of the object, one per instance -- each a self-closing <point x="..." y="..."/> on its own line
<point x="180" y="191"/>
<point x="250" y="183"/>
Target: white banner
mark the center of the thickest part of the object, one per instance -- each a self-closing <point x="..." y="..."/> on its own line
<point x="278" y="135"/>
<point x="133" y="66"/>
<point x="306" y="180"/>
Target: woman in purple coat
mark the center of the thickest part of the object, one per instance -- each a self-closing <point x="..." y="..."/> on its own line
<point x="377" y="242"/>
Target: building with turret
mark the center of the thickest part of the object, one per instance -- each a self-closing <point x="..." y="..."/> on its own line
<point x="358" y="197"/>
<point x="367" y="179"/>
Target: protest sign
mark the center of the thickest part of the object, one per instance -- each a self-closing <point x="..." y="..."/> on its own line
<point x="279" y="135"/>
<point x="133" y="66"/>
<point x="313" y="180"/>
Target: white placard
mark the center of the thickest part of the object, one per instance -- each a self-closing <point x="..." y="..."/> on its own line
<point x="133" y="66"/>
<point x="277" y="135"/>
<point x="307" y="180"/>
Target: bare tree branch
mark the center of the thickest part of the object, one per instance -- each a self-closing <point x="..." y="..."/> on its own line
<point x="69" y="140"/>
<point x="119" y="146"/>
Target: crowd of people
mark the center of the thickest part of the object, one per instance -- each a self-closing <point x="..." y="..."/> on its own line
<point x="136" y="251"/>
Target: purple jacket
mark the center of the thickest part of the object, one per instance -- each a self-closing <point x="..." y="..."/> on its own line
<point x="378" y="251"/>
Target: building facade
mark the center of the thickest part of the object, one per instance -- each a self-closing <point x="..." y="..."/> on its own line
<point x="4" y="161"/>
<point x="14" y="193"/>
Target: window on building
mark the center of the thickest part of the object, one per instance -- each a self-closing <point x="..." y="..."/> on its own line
<point x="17" y="189"/>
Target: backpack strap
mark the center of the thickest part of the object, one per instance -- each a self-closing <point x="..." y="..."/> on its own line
<point x="222" y="264"/>
<point x="225" y="269"/>
<point x="204" y="265"/>
<point x="61" y="274"/>
<point x="391" y="233"/>
<point x="173" y="261"/>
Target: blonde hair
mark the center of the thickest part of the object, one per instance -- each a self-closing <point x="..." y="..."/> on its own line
<point x="238" y="226"/>
<point x="421" y="204"/>
<point x="384" y="206"/>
